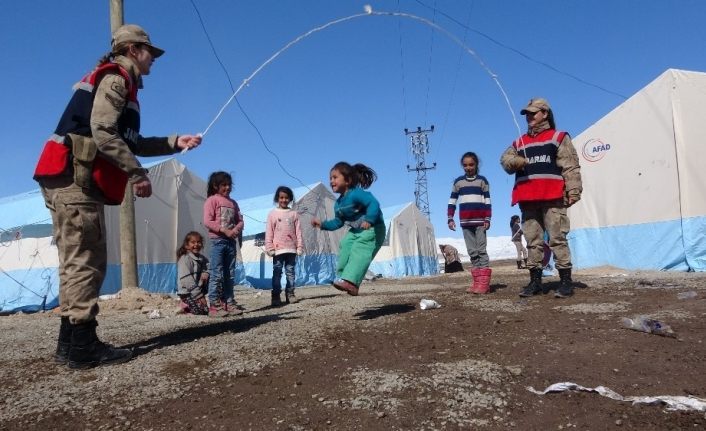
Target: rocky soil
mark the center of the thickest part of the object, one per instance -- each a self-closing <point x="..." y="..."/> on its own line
<point x="376" y="361"/>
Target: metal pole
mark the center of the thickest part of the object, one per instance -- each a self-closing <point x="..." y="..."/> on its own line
<point x="116" y="15"/>
<point x="128" y="250"/>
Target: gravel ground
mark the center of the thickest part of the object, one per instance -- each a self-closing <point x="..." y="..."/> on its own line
<point x="457" y="385"/>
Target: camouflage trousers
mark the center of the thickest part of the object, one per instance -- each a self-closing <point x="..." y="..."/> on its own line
<point x="79" y="232"/>
<point x="553" y="220"/>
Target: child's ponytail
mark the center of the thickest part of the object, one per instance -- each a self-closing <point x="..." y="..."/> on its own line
<point x="356" y="175"/>
<point x="366" y="176"/>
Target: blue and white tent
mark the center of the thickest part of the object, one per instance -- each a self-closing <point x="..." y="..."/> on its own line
<point x="410" y="244"/>
<point x="28" y="258"/>
<point x="643" y="204"/>
<point x="28" y="261"/>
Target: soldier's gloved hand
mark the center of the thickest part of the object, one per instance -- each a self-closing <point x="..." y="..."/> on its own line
<point x="142" y="188"/>
<point x="516" y="163"/>
<point x="571" y="198"/>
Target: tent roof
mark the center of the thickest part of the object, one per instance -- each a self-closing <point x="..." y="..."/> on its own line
<point x="28" y="208"/>
<point x="393" y="211"/>
<point x="23" y="209"/>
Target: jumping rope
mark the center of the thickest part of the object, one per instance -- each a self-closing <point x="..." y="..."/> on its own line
<point x="368" y="11"/>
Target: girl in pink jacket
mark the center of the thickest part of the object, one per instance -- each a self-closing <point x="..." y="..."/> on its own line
<point x="222" y="218"/>
<point x="283" y="242"/>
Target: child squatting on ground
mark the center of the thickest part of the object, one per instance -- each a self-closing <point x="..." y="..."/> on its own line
<point x="222" y="218"/>
<point x="358" y="209"/>
<point x="283" y="242"/>
<point x="472" y="193"/>
<point x="192" y="275"/>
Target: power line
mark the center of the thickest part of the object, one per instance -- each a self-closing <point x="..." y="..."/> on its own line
<point x="431" y="57"/>
<point x="242" y="110"/>
<point x="404" y="95"/>
<point x="458" y="68"/>
<point x="522" y="54"/>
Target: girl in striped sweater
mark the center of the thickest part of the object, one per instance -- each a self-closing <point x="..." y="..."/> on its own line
<point x="472" y="194"/>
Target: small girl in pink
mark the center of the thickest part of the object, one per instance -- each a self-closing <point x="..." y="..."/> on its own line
<point x="222" y="218"/>
<point x="283" y="241"/>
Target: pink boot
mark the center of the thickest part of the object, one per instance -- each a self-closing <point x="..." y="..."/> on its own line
<point x="476" y="275"/>
<point x="483" y="284"/>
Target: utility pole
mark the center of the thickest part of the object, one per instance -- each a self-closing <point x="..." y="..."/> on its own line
<point x="419" y="145"/>
<point x="128" y="250"/>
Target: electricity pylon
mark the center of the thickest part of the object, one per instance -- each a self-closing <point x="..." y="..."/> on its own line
<point x="419" y="145"/>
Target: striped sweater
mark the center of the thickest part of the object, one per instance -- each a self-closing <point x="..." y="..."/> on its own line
<point x="473" y="198"/>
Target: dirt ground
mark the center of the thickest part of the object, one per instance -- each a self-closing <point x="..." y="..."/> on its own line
<point x="377" y="361"/>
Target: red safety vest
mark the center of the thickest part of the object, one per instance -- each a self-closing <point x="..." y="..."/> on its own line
<point x="540" y="179"/>
<point x="57" y="159"/>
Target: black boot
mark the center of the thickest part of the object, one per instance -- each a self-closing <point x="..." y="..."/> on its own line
<point x="276" y="300"/>
<point x="64" y="345"/>
<point x="566" y="287"/>
<point x="535" y="284"/>
<point x="519" y="264"/>
<point x="88" y="351"/>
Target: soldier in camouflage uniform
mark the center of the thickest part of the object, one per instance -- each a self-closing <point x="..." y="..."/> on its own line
<point x="547" y="182"/>
<point x="87" y="163"/>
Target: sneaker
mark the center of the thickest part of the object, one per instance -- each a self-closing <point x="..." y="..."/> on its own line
<point x="232" y="305"/>
<point x="346" y="286"/>
<point x="234" y="309"/>
<point x="217" y="312"/>
<point x="183" y="308"/>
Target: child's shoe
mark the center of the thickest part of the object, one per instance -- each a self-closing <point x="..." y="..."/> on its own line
<point x="234" y="309"/>
<point x="183" y="308"/>
<point x="346" y="286"/>
<point x="217" y="311"/>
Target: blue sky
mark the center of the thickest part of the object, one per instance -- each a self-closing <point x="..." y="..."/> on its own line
<point x="347" y="92"/>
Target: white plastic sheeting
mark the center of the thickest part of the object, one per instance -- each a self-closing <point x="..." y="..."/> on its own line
<point x="673" y="402"/>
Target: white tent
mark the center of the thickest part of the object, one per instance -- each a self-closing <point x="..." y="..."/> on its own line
<point x="410" y="245"/>
<point x="28" y="259"/>
<point x="161" y="222"/>
<point x="643" y="205"/>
